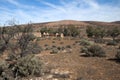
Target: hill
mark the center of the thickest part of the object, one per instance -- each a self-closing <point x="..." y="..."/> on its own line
<point x="76" y="23"/>
<point x="117" y="22"/>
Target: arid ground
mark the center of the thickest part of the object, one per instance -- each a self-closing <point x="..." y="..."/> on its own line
<point x="63" y="59"/>
<point x="78" y="66"/>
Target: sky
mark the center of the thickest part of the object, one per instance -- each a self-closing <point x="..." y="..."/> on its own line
<point x="35" y="11"/>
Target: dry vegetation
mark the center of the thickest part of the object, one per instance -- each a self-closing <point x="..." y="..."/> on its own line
<point x="92" y="54"/>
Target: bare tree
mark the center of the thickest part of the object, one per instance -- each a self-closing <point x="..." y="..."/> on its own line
<point x="19" y="40"/>
<point x="7" y="34"/>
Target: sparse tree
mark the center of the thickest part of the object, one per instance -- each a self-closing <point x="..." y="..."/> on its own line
<point x="19" y="41"/>
<point x="44" y="29"/>
<point x="114" y="32"/>
<point x="60" y="30"/>
<point x="99" y="32"/>
<point x="24" y="42"/>
<point x="90" y="31"/>
<point x="71" y="30"/>
<point x="7" y="33"/>
<point x="66" y="32"/>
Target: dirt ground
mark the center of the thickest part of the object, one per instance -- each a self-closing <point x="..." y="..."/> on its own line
<point x="79" y="67"/>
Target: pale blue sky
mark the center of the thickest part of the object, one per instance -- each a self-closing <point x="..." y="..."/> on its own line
<point x="52" y="10"/>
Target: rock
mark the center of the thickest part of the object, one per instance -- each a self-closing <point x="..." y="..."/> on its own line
<point x="49" y="76"/>
<point x="55" y="79"/>
<point x="60" y="73"/>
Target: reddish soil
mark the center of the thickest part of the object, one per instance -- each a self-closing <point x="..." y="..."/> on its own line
<point x="86" y="68"/>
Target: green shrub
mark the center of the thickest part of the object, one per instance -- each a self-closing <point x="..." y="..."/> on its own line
<point x="22" y="67"/>
<point x="90" y="31"/>
<point x="62" y="47"/>
<point x="114" y="32"/>
<point x="54" y="51"/>
<point x="38" y="38"/>
<point x="33" y="49"/>
<point x="28" y="65"/>
<point x="71" y="30"/>
<point x="99" y="40"/>
<point x="2" y="43"/>
<point x="94" y="51"/>
<point x="59" y="48"/>
<point x="53" y="46"/>
<point x="2" y="67"/>
<point x="46" y="45"/>
<point x="5" y="72"/>
<point x="12" y="57"/>
<point x="84" y="49"/>
<point x="68" y="46"/>
<point x="47" y="48"/>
